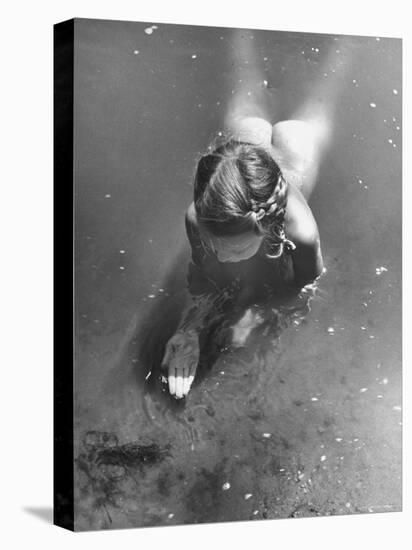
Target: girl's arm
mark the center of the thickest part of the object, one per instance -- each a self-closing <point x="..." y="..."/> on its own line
<point x="302" y="229"/>
<point x="204" y="298"/>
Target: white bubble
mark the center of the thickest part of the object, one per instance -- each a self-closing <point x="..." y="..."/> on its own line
<point x="248" y="496"/>
<point x="136" y="52"/>
<point x="226" y="486"/>
<point x="148" y="30"/>
<point x="323" y="458"/>
<point x="107" y="196"/>
<point x="194" y="56"/>
<point x="373" y="105"/>
<point x="395" y="91"/>
<point x="362" y="390"/>
<point x="267" y="435"/>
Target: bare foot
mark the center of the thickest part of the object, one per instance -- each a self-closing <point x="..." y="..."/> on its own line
<point x="181" y="358"/>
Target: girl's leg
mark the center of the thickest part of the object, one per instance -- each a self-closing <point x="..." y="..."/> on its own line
<point x="301" y="142"/>
<point x="247" y="117"/>
<point x="298" y="144"/>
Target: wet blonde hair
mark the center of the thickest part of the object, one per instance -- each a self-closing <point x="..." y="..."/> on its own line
<point x="239" y="188"/>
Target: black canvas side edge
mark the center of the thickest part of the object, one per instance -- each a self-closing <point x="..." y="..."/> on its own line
<point x="63" y="476"/>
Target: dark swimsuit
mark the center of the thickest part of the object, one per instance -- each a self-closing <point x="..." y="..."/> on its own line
<point x="207" y="275"/>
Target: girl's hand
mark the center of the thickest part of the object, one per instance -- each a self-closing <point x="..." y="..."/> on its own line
<point x="181" y="358"/>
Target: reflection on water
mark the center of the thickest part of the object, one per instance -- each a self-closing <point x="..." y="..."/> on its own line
<point x="296" y="409"/>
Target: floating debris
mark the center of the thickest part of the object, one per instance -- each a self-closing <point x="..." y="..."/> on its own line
<point x="121" y="267"/>
<point x="248" y="496"/>
<point x="226" y="486"/>
<point x="379" y="396"/>
<point x="194" y="56"/>
<point x="149" y="30"/>
<point x="151" y="296"/>
<point x="395" y="91"/>
<point x="314" y="399"/>
<point x="338" y="439"/>
<point x="397" y="408"/>
<point x="331" y="330"/>
<point x="267" y="435"/>
<point x="385" y="381"/>
<point x="255" y="513"/>
<point x="348" y="505"/>
<point x="136" y="52"/>
<point x="170" y="516"/>
<point x="107" y="196"/>
<point x="362" y="390"/>
<point x="122" y="251"/>
<point x="373" y="105"/>
<point x="323" y="458"/>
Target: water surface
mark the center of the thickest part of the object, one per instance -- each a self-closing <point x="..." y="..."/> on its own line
<point x="306" y="419"/>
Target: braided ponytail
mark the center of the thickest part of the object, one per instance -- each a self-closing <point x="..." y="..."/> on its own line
<point x="239" y="188"/>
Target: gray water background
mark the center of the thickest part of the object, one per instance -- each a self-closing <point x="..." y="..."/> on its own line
<point x="310" y="425"/>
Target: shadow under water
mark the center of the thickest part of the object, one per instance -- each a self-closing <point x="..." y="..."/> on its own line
<point x="123" y="483"/>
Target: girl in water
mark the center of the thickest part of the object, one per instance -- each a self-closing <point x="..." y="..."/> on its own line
<point x="250" y="226"/>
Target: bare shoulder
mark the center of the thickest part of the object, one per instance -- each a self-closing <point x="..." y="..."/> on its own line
<point x="300" y="224"/>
